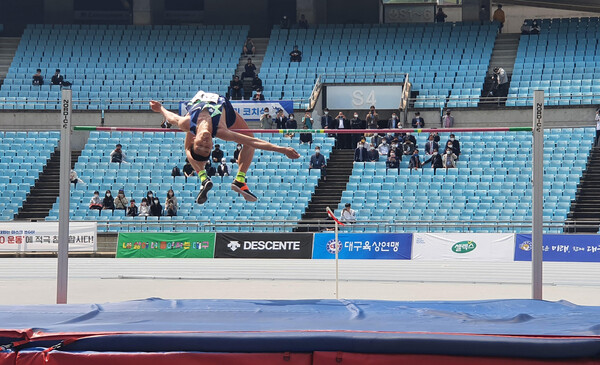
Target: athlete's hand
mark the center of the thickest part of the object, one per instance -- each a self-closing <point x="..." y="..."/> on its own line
<point x="155" y="106"/>
<point x="291" y="153"/>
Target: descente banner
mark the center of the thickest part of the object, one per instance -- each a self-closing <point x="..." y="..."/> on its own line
<point x="166" y="245"/>
<point x="264" y="245"/>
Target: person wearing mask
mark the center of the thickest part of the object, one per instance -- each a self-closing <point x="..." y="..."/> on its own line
<point x="440" y="16"/>
<point x="431" y="146"/>
<point x="149" y="197"/>
<point x="449" y="159"/>
<point x="281" y="120"/>
<point x="296" y="55"/>
<point x="317" y="161"/>
<point x="447" y="120"/>
<point x="118" y="155"/>
<point x="502" y="80"/>
<point x="156" y="209"/>
<point x="144" y="208"/>
<point x="258" y="96"/>
<point x="57" y="79"/>
<point x="223" y="169"/>
<point x="372" y="118"/>
<point x="384" y="147"/>
<point x="75" y="179"/>
<point x="361" y="154"/>
<point x="188" y="169"/>
<point x="395" y="147"/>
<point x="436" y="160"/>
<point x="266" y="120"/>
<point x="249" y="47"/>
<point x="307" y="121"/>
<point x="454" y="144"/>
<point x="392" y="162"/>
<point x="217" y="154"/>
<point x="526" y="28"/>
<point x="373" y="154"/>
<point x="394" y="122"/>
<point x="235" y="88"/>
<point x="357" y="123"/>
<point x="326" y="119"/>
<point x="306" y="137"/>
<point x="38" y="79"/>
<point x="291" y="124"/>
<point x="535" y="27"/>
<point x="132" y="210"/>
<point x="284" y="23"/>
<point x="417" y="121"/>
<point x="408" y="136"/>
<point x="415" y="161"/>
<point x="236" y="153"/>
<point x="96" y="202"/>
<point x="408" y="148"/>
<point x="348" y="214"/>
<point x="436" y="136"/>
<point x="499" y="17"/>
<point x="249" y="69"/>
<point x="343" y="140"/>
<point x="121" y="201"/>
<point x="171" y="203"/>
<point x="210" y="170"/>
<point x="108" y="202"/>
<point x="257" y="84"/>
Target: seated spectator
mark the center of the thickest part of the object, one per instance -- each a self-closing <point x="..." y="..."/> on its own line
<point x="440" y="16"/>
<point x="417" y="121"/>
<point x="392" y="162"/>
<point x="376" y="139"/>
<point x="431" y="146"/>
<point x="210" y="170"/>
<point x="38" y="79"/>
<point x="395" y="147"/>
<point x="307" y="121"/>
<point x="408" y="148"/>
<point x="249" y="48"/>
<point x="436" y="160"/>
<point x="266" y="120"/>
<point x="165" y="124"/>
<point x="249" y="69"/>
<point x="449" y="159"/>
<point x="57" y="79"/>
<point x="435" y="135"/>
<point x="348" y="214"/>
<point x="306" y="137"/>
<point x="415" y="161"/>
<point x="74" y="178"/>
<point x="296" y="55"/>
<point x="149" y="197"/>
<point x="175" y="171"/>
<point x="258" y="96"/>
<point x="361" y="154"/>
<point x="373" y="154"/>
<point x="144" y="208"/>
<point x="384" y="147"/>
<point x="121" y="201"/>
<point x="317" y="161"/>
<point x="535" y="27"/>
<point x="454" y="144"/>
<point x="409" y="136"/>
<point x="236" y="153"/>
<point x="447" y="120"/>
<point x="188" y="169"/>
<point x="281" y="120"/>
<point x="132" y="209"/>
<point x="235" y="88"/>
<point x="257" y="84"/>
<point x="302" y="23"/>
<point x="108" y="202"/>
<point x="171" y="203"/>
<point x="526" y="28"/>
<point x="118" y="155"/>
<point x="284" y="23"/>
<point x="291" y="124"/>
<point x="223" y="169"/>
<point x="217" y="154"/>
<point x="156" y="208"/>
<point x="95" y="202"/>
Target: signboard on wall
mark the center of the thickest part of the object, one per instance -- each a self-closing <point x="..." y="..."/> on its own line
<point x="409" y="13"/>
<point x="382" y="246"/>
<point x="362" y="96"/>
<point x="166" y="245"/>
<point x="252" y="110"/>
<point x="43" y="236"/>
<point x="463" y="246"/>
<point x="561" y="247"/>
<point x="264" y="245"/>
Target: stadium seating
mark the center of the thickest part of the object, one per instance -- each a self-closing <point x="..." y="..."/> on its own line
<point x="442" y="59"/>
<point x="111" y="65"/>
<point x="22" y="159"/>
<point x="284" y="186"/>
<point x="562" y="60"/>
<point x="490" y="184"/>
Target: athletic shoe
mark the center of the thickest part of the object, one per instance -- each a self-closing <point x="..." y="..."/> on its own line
<point x="202" y="195"/>
<point x="243" y="190"/>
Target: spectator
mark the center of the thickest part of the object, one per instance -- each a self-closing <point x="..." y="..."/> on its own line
<point x="373" y="154"/>
<point x="156" y="208"/>
<point x="175" y="171"/>
<point x="499" y="17"/>
<point x="306" y="137"/>
<point x="484" y="15"/>
<point x="384" y="147"/>
<point x="597" y="119"/>
<point x="449" y="159"/>
<point x="326" y="119"/>
<point x="348" y="214"/>
<point x="235" y="88"/>
<point x="535" y="27"/>
<point x="447" y="120"/>
<point x="57" y="79"/>
<point x="455" y="145"/>
<point x="436" y="160"/>
<point x="188" y="169"/>
<point x="317" y="161"/>
<point x="95" y="202"/>
<point x="409" y="136"/>
<point x="75" y="179"/>
<point x="431" y="146"/>
<point x="118" y="155"/>
<point x="144" y="208"/>
<point x="357" y="123"/>
<point x="360" y="153"/>
<point x="296" y="55"/>
<point x="236" y="153"/>
<point x="223" y="169"/>
<point x="284" y="23"/>
<point x="307" y="121"/>
<point x="266" y="120"/>
<point x="258" y="96"/>
<point x="417" y="121"/>
<point x="249" y="48"/>
<point x="121" y="201"/>
<point x="502" y="80"/>
<point x="132" y="210"/>
<point x="291" y="124"/>
<point x="376" y="139"/>
<point x="440" y="16"/>
<point x="108" y="202"/>
<point x="302" y="23"/>
<point x="249" y="69"/>
<point x="394" y="122"/>
<point x="217" y="154"/>
<point x="372" y="118"/>
<point x="396" y="148"/>
<point x="171" y="203"/>
<point x="408" y="147"/>
<point x="257" y="84"/>
<point x="210" y="170"/>
<point x="38" y="79"/>
<point x="392" y="161"/>
<point x="415" y="161"/>
<point x="526" y="28"/>
<point x="149" y="197"/>
<point x="435" y="135"/>
<point x="281" y="120"/>
<point x="344" y="141"/>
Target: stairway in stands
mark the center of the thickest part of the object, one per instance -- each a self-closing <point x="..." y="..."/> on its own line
<point x="8" y="48"/>
<point x="257" y="58"/>
<point x="503" y="55"/>
<point x="328" y="193"/>
<point x="584" y="210"/>
<point x="46" y="189"/>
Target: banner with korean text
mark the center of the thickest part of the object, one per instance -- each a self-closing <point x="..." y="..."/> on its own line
<point x="252" y="110"/>
<point x="43" y="236"/>
<point x="561" y="247"/>
<point x="463" y="246"/>
<point x="166" y="245"/>
<point x="382" y="246"/>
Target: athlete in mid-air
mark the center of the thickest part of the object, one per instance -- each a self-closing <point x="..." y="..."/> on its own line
<point x="208" y="116"/>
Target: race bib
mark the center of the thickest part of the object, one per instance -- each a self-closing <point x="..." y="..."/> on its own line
<point x="205" y="97"/>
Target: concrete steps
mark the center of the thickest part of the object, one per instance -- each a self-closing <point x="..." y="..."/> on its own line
<point x="8" y="48"/>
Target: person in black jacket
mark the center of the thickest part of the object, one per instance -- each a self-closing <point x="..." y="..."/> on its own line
<point x="436" y="160"/>
<point x="343" y="140"/>
<point x="236" y="153"/>
<point x="455" y="145"/>
<point x="156" y="208"/>
<point x="108" y="202"/>
<point x="217" y="154"/>
<point x="296" y="55"/>
<point x="235" y="88"/>
<point x="417" y="121"/>
<point x="57" y="79"/>
<point x="361" y="154"/>
<point x="257" y="84"/>
<point x="306" y="138"/>
<point x="357" y="123"/>
<point x="415" y="161"/>
<point x="281" y="120"/>
<point x="249" y="69"/>
<point x="326" y="119"/>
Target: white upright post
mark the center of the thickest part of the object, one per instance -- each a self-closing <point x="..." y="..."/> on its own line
<point x="337" y="266"/>
<point x="64" y="193"/>
<point x="537" y="195"/>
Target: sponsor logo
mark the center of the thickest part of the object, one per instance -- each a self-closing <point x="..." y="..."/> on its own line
<point x="539" y="107"/>
<point x="464" y="246"/>
<point x="233" y="245"/>
<point x="272" y="245"/>
<point x="330" y="246"/>
<point x="525" y="246"/>
<point x="65" y="113"/>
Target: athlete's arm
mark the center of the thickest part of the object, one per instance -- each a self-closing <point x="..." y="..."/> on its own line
<point x="180" y="122"/>
<point x="228" y="135"/>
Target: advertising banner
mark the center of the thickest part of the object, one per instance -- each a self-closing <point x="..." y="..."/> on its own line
<point x="252" y="110"/>
<point x="561" y="247"/>
<point x="463" y="246"/>
<point x="166" y="245"/>
<point x="382" y="246"/>
<point x="43" y="236"/>
<point x="264" y="245"/>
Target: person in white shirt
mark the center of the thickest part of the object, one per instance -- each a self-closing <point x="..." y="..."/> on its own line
<point x="74" y="178"/>
<point x="348" y="214"/>
<point x="597" y="126"/>
<point x="384" y="147"/>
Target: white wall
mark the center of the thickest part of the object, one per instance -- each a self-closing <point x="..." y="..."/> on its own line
<point x="516" y="14"/>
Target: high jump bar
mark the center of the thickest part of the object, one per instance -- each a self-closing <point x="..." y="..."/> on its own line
<point x="318" y="131"/>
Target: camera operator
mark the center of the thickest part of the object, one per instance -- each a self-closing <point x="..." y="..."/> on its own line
<point x="502" y="82"/>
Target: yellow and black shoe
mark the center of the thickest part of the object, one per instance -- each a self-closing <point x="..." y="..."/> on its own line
<point x="243" y="190"/>
<point x="203" y="194"/>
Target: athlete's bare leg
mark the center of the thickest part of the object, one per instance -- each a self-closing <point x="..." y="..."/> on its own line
<point x="247" y="153"/>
